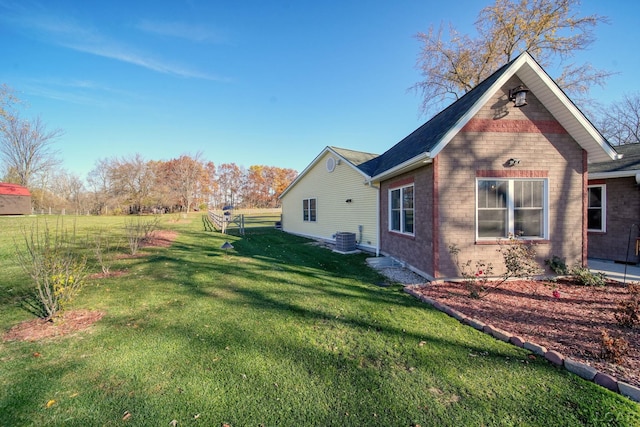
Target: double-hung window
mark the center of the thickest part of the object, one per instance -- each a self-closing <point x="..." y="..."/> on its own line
<point x="596" y="209"/>
<point x="401" y="210"/>
<point x="309" y="210"/>
<point x="511" y="207"/>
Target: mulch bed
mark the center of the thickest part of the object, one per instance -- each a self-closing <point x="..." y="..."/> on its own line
<point x="67" y="323"/>
<point x="569" y="320"/>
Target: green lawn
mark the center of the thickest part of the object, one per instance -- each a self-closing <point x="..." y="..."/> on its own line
<point x="276" y="332"/>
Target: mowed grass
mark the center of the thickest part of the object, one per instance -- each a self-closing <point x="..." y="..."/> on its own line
<point x="275" y="332"/>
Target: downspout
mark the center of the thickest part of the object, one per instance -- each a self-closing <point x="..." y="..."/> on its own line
<point x="377" y="220"/>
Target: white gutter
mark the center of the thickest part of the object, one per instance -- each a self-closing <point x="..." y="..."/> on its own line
<point x="616" y="174"/>
<point x="407" y="165"/>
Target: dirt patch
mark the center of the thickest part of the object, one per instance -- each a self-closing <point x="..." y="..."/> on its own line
<point x="38" y="329"/>
<point x="160" y="239"/>
<point x="562" y="316"/>
<point x="102" y="275"/>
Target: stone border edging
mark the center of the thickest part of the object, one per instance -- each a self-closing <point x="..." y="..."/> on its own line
<point x="580" y="369"/>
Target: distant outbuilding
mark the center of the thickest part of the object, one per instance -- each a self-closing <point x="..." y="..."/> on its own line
<point x="14" y="199"/>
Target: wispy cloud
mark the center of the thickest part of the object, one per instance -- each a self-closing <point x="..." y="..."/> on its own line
<point x="81" y="92"/>
<point x="195" y="33"/>
<point x="67" y="33"/>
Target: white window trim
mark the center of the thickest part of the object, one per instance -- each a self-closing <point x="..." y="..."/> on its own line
<point x="402" y="224"/>
<point x="309" y="209"/>
<point x="603" y="208"/>
<point x="511" y="207"/>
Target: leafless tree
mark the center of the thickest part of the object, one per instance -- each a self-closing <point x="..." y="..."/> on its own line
<point x="551" y="30"/>
<point x="26" y="148"/>
<point x="620" y="121"/>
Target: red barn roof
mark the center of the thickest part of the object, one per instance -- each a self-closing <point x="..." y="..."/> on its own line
<point x="13" y="190"/>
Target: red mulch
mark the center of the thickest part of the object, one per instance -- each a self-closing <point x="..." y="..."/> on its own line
<point x="37" y="329"/>
<point x="160" y="239"/>
<point x="569" y="323"/>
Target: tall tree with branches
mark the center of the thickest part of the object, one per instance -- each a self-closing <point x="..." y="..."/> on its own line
<point x="550" y="30"/>
<point x="620" y="121"/>
<point x="26" y="147"/>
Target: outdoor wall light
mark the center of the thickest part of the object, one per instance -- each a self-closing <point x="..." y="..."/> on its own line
<point x="348" y="201"/>
<point x="518" y="95"/>
<point x="513" y="162"/>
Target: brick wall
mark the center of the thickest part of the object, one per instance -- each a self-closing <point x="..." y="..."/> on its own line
<point x="623" y="210"/>
<point x="416" y="250"/>
<point x="543" y="147"/>
<point x="483" y="147"/>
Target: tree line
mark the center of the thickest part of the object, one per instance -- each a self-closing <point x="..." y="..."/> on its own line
<point x="133" y="185"/>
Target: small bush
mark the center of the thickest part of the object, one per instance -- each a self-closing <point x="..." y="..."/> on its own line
<point x="102" y="244"/>
<point x="519" y="261"/>
<point x="139" y="230"/>
<point x="57" y="271"/>
<point x="586" y="277"/>
<point x="628" y="314"/>
<point x="519" y="258"/>
<point x="557" y="265"/>
<point x="613" y="349"/>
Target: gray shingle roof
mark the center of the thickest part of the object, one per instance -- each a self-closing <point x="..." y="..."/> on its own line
<point x="629" y="162"/>
<point x="424" y="139"/>
<point x="356" y="158"/>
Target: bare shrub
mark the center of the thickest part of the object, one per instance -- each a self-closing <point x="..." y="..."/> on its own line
<point x="628" y="314"/>
<point x="138" y="230"/>
<point x="519" y="259"/>
<point x="103" y="243"/>
<point x="51" y="260"/>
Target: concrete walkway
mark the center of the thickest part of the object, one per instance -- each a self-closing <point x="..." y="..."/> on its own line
<point x="615" y="271"/>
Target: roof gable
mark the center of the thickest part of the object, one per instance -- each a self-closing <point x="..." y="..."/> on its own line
<point x="7" y="189"/>
<point x="350" y="157"/>
<point x="422" y="145"/>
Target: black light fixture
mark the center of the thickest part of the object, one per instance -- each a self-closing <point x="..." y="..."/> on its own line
<point x="518" y="95"/>
<point x="348" y="201"/>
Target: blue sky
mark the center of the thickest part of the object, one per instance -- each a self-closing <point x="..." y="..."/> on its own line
<point x="250" y="82"/>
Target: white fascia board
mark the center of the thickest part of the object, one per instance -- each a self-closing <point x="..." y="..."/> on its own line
<point x="477" y="106"/>
<point x="413" y="163"/>
<point x="571" y="107"/>
<point x="616" y="174"/>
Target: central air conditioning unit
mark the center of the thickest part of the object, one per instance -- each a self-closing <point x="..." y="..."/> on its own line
<point x="345" y="242"/>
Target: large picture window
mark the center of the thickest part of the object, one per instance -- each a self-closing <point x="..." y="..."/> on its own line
<point x="511" y="206"/>
<point x="309" y="211"/>
<point x="401" y="211"/>
<point x="596" y="209"/>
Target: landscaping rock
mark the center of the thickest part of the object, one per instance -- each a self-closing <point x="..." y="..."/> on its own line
<point x="606" y="381"/>
<point x="411" y="291"/>
<point x="537" y="349"/>
<point x="554" y="357"/>
<point x="427" y="300"/>
<point x="501" y="335"/>
<point x="476" y="324"/>
<point x="580" y="369"/>
<point x="454" y="313"/>
<point x="517" y="341"/>
<point x="632" y="392"/>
